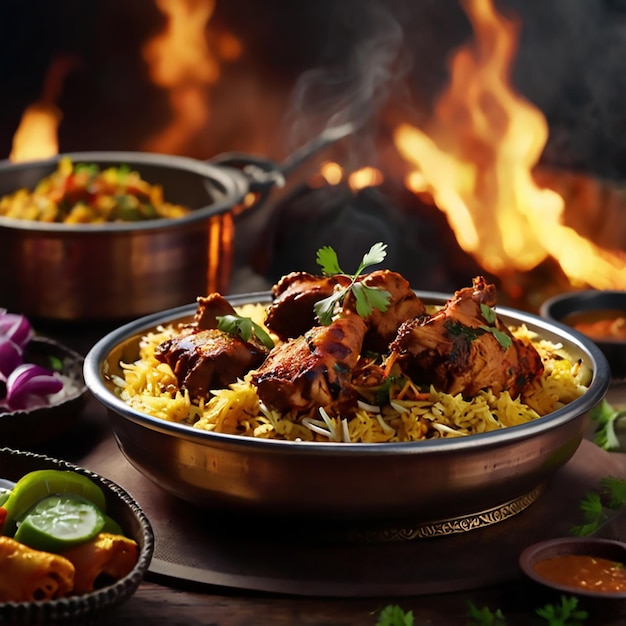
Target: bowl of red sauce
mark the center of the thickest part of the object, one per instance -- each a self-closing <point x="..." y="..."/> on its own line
<point x="583" y="566"/>
<point x="598" y="314"/>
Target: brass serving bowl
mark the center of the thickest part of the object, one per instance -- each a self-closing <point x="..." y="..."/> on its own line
<point x="436" y="483"/>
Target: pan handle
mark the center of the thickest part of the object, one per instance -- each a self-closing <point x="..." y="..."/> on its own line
<point x="264" y="174"/>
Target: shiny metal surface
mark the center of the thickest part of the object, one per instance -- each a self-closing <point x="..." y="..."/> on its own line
<point x="121" y="271"/>
<point x="419" y="482"/>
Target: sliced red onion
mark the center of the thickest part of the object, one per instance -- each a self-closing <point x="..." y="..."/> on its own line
<point x="15" y="327"/>
<point x="10" y="356"/>
<point x="28" y="380"/>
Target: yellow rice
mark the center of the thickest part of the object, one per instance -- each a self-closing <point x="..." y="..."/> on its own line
<point x="150" y="386"/>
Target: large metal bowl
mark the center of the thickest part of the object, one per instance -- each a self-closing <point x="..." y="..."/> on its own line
<point x="494" y="474"/>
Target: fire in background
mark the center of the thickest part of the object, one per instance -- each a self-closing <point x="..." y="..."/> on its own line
<point x="199" y="77"/>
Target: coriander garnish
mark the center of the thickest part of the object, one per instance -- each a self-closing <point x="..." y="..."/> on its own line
<point x="243" y="327"/>
<point x="367" y="298"/>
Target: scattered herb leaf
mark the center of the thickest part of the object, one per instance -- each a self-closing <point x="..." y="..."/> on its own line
<point x="245" y="328"/>
<point x="594" y="505"/>
<point x="605" y="416"/>
<point x="490" y="315"/>
<point x="564" y="614"/>
<point x="367" y="298"/>
<point x="393" y="615"/>
<point x="484" y="616"/>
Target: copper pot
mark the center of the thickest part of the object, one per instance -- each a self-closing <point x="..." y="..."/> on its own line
<point x="119" y="271"/>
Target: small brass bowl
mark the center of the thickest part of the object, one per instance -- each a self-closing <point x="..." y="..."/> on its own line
<point x="563" y="307"/>
<point x="578" y="546"/>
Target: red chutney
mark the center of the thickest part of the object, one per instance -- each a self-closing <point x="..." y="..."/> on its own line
<point x="580" y="571"/>
<point x="603" y="325"/>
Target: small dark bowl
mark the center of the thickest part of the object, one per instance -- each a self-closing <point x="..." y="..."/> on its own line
<point x="27" y="430"/>
<point x="85" y="609"/>
<point x="601" y="548"/>
<point x="559" y="307"/>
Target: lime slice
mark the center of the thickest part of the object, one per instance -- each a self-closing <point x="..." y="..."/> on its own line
<point x="57" y="523"/>
<point x="37" y="485"/>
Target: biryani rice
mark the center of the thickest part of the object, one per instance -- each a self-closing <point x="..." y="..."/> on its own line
<point x="150" y="386"/>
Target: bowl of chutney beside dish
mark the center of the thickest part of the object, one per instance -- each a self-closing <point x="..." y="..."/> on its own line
<point x="583" y="566"/>
<point x="598" y="314"/>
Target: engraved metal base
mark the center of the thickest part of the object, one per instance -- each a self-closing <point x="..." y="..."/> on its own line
<point x="440" y="528"/>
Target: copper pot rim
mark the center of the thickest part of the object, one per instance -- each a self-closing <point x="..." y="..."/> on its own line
<point x="228" y="182"/>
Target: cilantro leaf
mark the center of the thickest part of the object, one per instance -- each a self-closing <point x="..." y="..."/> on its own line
<point x="490" y="316"/>
<point x="245" y="328"/>
<point x="593" y="505"/>
<point x="605" y="417"/>
<point x="488" y="313"/>
<point x="376" y="254"/>
<point x="503" y="339"/>
<point x="564" y="614"/>
<point x="367" y="298"/>
<point x="327" y="259"/>
<point x="484" y="616"/>
<point x="393" y="615"/>
<point x="615" y="488"/>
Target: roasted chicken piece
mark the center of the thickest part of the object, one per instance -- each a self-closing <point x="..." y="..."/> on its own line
<point x="457" y="351"/>
<point x="209" y="309"/>
<point x="204" y="357"/>
<point x="403" y="305"/>
<point x="209" y="359"/>
<point x="314" y="369"/>
<point x="293" y="297"/>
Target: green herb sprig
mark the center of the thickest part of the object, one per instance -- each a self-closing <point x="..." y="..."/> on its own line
<point x="367" y="298"/>
<point x="566" y="613"/>
<point x="484" y="616"/>
<point x="490" y="315"/>
<point x="595" y="505"/>
<point x="605" y="417"/>
<point x="393" y="615"/>
<point x="245" y="328"/>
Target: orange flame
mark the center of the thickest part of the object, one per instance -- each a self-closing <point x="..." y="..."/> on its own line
<point x="36" y="136"/>
<point x="181" y="61"/>
<point x="476" y="161"/>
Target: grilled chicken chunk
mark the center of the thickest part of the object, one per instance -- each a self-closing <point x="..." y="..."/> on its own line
<point x="313" y="369"/>
<point x="456" y="352"/>
<point x="203" y="357"/>
<point x="210" y="308"/>
<point x="209" y="359"/>
<point x="403" y="305"/>
<point x="291" y="312"/>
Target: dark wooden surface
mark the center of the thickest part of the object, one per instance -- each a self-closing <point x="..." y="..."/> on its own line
<point x="172" y="602"/>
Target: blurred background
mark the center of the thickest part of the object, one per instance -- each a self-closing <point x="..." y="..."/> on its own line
<point x="490" y="135"/>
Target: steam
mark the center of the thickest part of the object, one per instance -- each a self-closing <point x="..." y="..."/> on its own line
<point x="365" y="48"/>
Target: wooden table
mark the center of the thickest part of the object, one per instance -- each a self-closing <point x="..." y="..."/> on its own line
<point x="161" y="600"/>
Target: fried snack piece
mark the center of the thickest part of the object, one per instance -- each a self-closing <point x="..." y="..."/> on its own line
<point x="28" y="575"/>
<point x="107" y="557"/>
